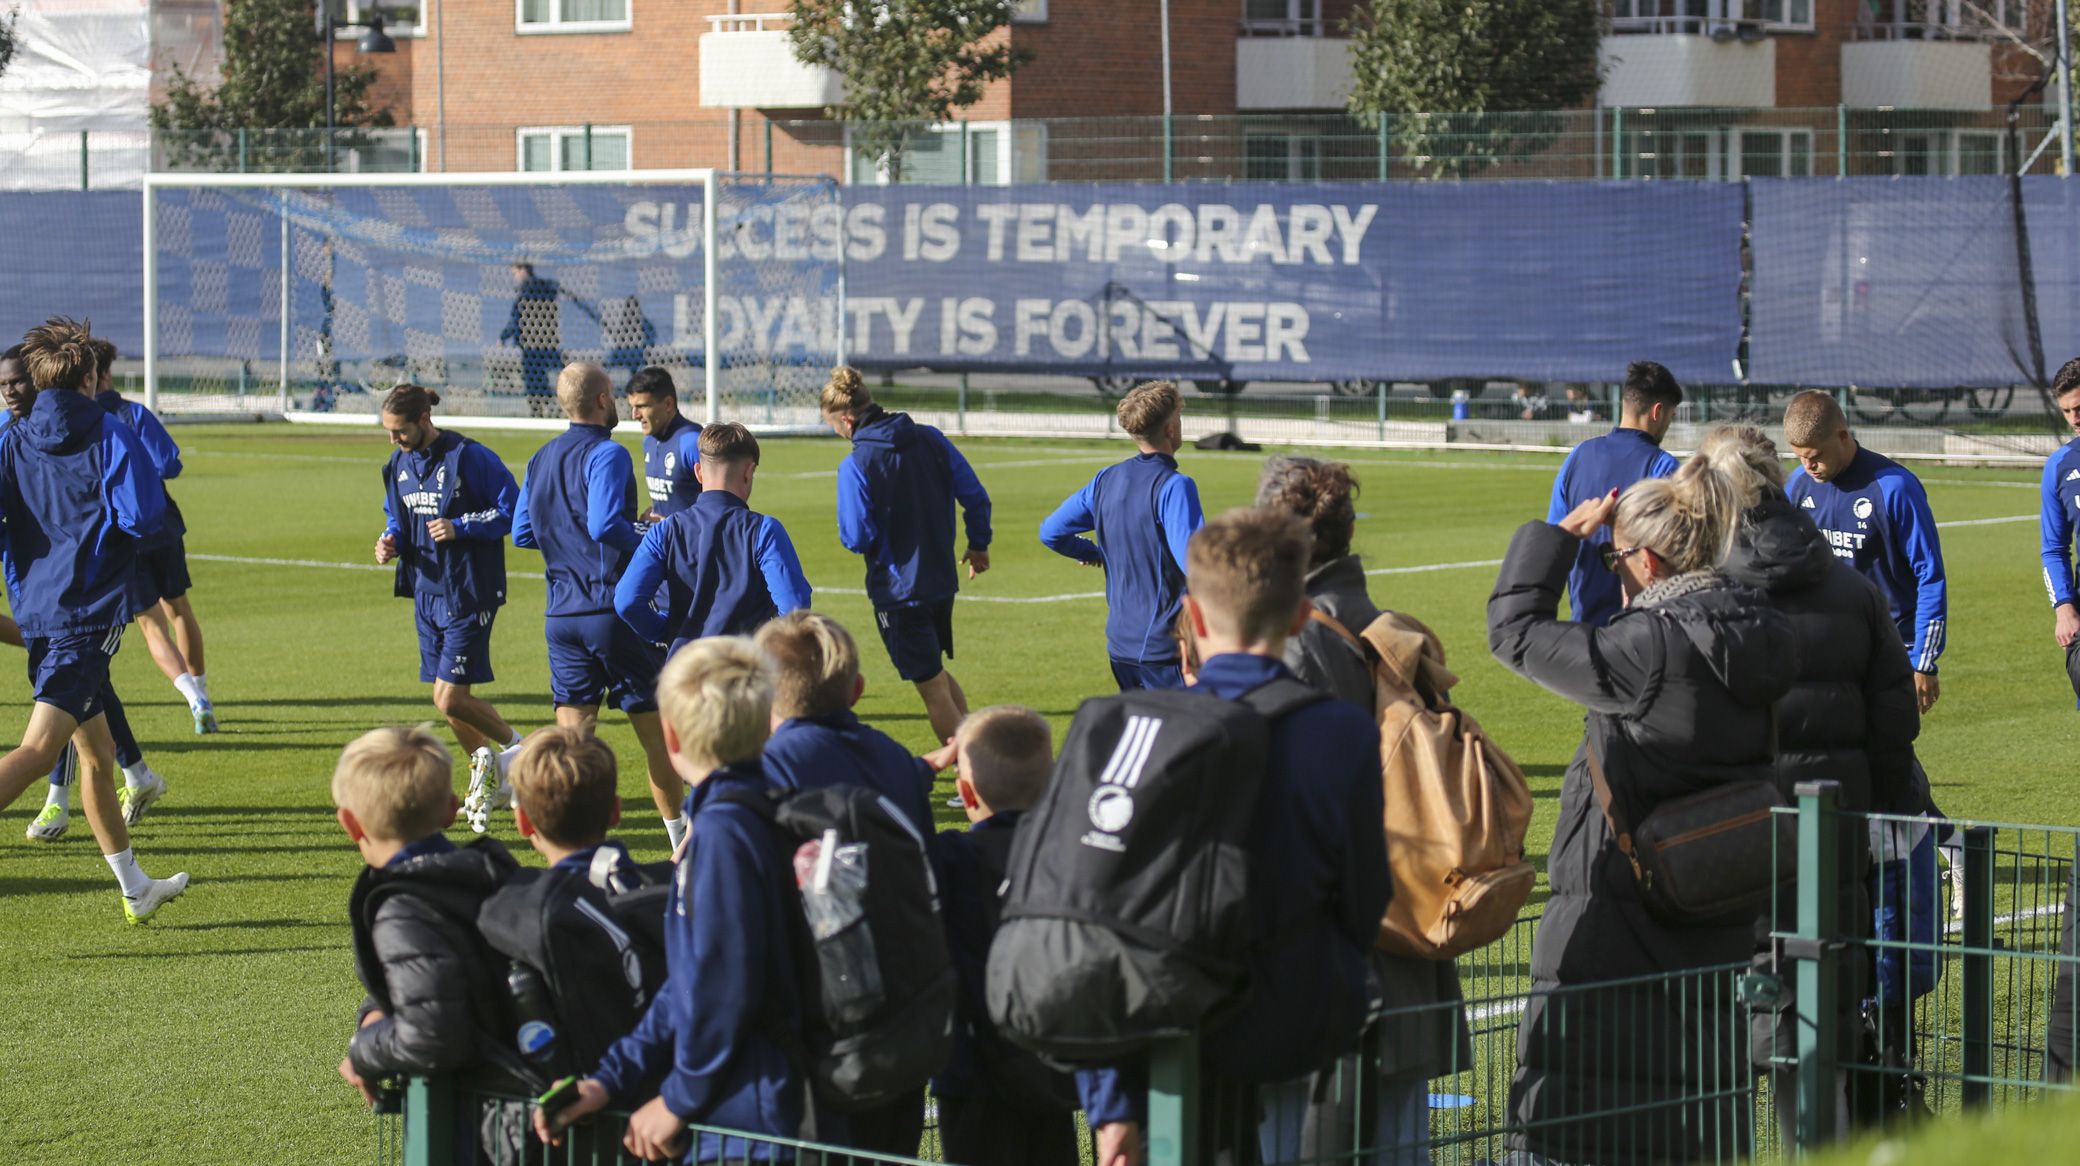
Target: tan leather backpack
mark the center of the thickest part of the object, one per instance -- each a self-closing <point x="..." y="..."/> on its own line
<point x="1457" y="806"/>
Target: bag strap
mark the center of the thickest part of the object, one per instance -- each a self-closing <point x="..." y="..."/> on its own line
<point x="1604" y="799"/>
<point x="1317" y="615"/>
<point x="1277" y="697"/>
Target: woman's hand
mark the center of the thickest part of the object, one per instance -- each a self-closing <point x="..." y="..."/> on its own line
<point x="1591" y="516"/>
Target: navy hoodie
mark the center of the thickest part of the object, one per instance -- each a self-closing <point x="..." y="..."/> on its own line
<point x="811" y="752"/>
<point x="1318" y="885"/>
<point x="725" y="569"/>
<point x="715" y="1033"/>
<point x="1592" y="469"/>
<point x="896" y="491"/>
<point x="458" y="479"/>
<point x="1144" y="513"/>
<point x="77" y="492"/>
<point x="578" y="507"/>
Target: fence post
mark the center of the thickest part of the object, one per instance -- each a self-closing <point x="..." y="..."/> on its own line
<point x="1173" y="1103"/>
<point x="1817" y="952"/>
<point x="83" y="159"/>
<point x="241" y="150"/>
<point x="967" y="167"/>
<point x="1617" y="141"/>
<point x="588" y="145"/>
<point x="769" y="147"/>
<point x="1384" y="158"/>
<point x="1841" y="141"/>
<point x="1383" y="387"/>
<point x="412" y="141"/>
<point x="1978" y="966"/>
<point x="1169" y="149"/>
<point x="429" y="1121"/>
<point x="964" y="404"/>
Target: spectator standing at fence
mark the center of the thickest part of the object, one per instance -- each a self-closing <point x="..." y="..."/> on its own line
<point x="535" y="327"/>
<point x="896" y="493"/>
<point x="1144" y="512"/>
<point x="1630" y="453"/>
<point x="671" y="443"/>
<point x="1874" y="513"/>
<point x="719" y="1034"/>
<point x="1680" y="689"/>
<point x="2061" y="517"/>
<point x="724" y="567"/>
<point x="1850" y="718"/>
<point x="1406" y="1050"/>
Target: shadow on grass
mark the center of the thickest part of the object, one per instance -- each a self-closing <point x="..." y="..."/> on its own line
<point x="248" y="925"/>
<point x="218" y="951"/>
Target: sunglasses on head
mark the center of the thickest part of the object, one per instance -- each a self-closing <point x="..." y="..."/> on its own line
<point x="1611" y="556"/>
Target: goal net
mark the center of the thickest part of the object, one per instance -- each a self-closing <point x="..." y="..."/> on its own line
<point x="283" y="293"/>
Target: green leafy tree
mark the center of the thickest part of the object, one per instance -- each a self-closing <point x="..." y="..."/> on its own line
<point x="273" y="86"/>
<point x="906" y="63"/>
<point x="1464" y="84"/>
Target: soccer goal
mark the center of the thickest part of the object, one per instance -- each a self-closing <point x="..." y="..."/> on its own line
<point x="308" y="294"/>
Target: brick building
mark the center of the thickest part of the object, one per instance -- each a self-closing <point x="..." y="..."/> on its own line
<point x="1692" y="88"/>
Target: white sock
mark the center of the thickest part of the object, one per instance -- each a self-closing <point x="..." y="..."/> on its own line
<point x="57" y="796"/>
<point x="505" y="758"/>
<point x="201" y="684"/>
<point x="675" y="831"/>
<point x="129" y="875"/>
<point x="137" y="776"/>
<point x="191" y="690"/>
<point x="515" y="742"/>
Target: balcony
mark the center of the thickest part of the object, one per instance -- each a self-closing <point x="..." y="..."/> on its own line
<point x="1733" y="66"/>
<point x="1292" y="72"/>
<point x="1923" y="55"/>
<point x="747" y="63"/>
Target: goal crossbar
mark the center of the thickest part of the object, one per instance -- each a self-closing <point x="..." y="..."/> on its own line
<point x="707" y="179"/>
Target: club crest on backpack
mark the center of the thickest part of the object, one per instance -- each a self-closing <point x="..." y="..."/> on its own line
<point x="1111" y="806"/>
<point x="1111" y="809"/>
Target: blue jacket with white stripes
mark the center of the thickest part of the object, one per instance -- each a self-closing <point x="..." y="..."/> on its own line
<point x="1875" y="516"/>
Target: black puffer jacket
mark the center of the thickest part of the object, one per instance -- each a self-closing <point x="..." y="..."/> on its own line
<point x="1434" y="1039"/>
<point x="1850" y="718"/>
<point x="1679" y="689"/>
<point x="417" y="951"/>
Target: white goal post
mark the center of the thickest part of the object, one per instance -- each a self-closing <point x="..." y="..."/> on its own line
<point x="215" y="271"/>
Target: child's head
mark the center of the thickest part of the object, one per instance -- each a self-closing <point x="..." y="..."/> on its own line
<point x="393" y="786"/>
<point x="716" y="695"/>
<point x="1187" y="646"/>
<point x="1005" y="755"/>
<point x="815" y="665"/>
<point x="563" y="789"/>
<point x="1246" y="581"/>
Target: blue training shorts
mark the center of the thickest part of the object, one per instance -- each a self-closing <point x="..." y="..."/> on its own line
<point x="916" y="636"/>
<point x="453" y="646"/>
<point x="166" y="568"/>
<point x="70" y="672"/>
<point x="594" y="658"/>
<point x="1131" y="674"/>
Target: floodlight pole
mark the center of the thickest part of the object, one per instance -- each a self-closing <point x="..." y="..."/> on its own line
<point x="2065" y="92"/>
<point x="1169" y="147"/>
<point x="711" y="350"/>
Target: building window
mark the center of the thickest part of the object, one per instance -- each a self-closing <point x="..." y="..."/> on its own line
<point x="1947" y="152"/>
<point x="998" y="154"/>
<point x="383" y="151"/>
<point x="1281" y="157"/>
<point x="1029" y="12"/>
<point x="1771" y="153"/>
<point x="398" y="19"/>
<point x="545" y="148"/>
<point x="1282" y="17"/>
<point x="1718" y="18"/>
<point x="572" y="15"/>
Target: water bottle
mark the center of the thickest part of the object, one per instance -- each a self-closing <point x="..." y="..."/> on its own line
<point x="536" y="1038"/>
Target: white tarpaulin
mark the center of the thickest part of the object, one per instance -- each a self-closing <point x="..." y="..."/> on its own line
<point x="82" y="65"/>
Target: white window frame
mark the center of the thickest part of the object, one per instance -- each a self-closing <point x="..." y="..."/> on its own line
<point x="1029" y="12"/>
<point x="1007" y="151"/>
<point x="1295" y="22"/>
<point x="1627" y="17"/>
<point x="1736" y="149"/>
<point x="1675" y="146"/>
<point x="353" y="157"/>
<point x="557" y="26"/>
<point x="1296" y="143"/>
<point x="354" y="11"/>
<point x="558" y="135"/>
<point x="1959" y="137"/>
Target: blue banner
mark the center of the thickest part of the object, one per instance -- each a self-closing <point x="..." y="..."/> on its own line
<point x="74" y="253"/>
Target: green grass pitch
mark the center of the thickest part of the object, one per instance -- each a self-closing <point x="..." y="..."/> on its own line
<point x="212" y="1034"/>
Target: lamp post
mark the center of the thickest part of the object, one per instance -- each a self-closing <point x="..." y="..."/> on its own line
<point x="375" y="40"/>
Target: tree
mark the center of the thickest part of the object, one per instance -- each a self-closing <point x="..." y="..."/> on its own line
<point x="274" y="79"/>
<point x="1440" y="71"/>
<point x="906" y="63"/>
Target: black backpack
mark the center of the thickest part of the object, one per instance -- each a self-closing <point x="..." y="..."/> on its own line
<point x="586" y="939"/>
<point x="1127" y="915"/>
<point x="1017" y="1077"/>
<point x="878" y="981"/>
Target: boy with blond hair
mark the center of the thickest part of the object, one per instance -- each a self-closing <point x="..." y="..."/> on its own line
<point x="432" y="981"/>
<point x="718" y="1036"/>
<point x="817" y="739"/>
<point x="1002" y="757"/>
<point x="1143" y="512"/>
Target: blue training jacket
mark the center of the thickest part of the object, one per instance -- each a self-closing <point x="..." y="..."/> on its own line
<point x="668" y="464"/>
<point x="812" y="752"/>
<point x="2060" y="516"/>
<point x="1144" y="513"/>
<point x="459" y="479"/>
<point x="165" y="454"/>
<point x="896" y="491"/>
<point x="718" y="1031"/>
<point x="77" y="492"/>
<point x="1318" y="885"/>
<point x="725" y="569"/>
<point x="1875" y="515"/>
<point x="578" y="507"/>
<point x="1592" y="469"/>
